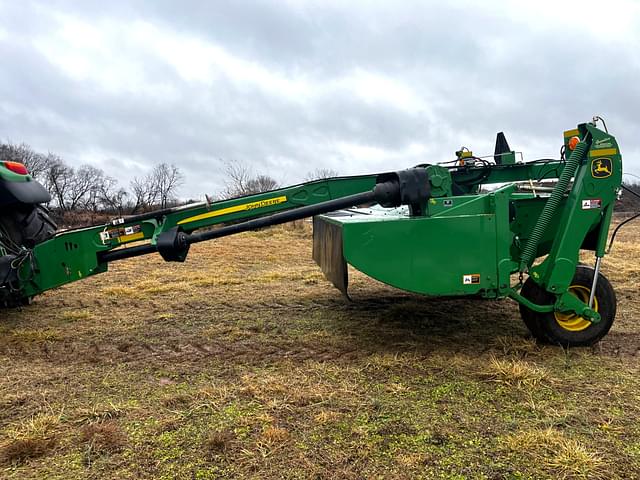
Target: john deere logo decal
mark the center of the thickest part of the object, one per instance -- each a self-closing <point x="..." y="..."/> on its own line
<point x="601" y="168"/>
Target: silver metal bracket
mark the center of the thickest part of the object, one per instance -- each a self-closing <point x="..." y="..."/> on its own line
<point x="592" y="294"/>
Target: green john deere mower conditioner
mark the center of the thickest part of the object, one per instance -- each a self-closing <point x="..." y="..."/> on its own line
<point x="471" y="226"/>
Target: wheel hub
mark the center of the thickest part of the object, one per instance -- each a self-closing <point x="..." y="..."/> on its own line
<point x="573" y="322"/>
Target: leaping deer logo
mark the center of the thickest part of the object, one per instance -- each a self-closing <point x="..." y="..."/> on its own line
<point x="601" y="168"/>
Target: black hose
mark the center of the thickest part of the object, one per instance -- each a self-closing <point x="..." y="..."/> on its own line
<point x="615" y="232"/>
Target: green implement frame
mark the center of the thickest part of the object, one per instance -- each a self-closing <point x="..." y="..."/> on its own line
<point x="431" y="229"/>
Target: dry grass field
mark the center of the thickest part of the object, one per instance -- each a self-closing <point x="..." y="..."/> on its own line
<point x="244" y="362"/>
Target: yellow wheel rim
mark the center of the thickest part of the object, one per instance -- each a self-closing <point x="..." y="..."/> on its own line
<point x="571" y="321"/>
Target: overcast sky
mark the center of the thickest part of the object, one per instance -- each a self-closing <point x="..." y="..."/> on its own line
<point x="290" y="86"/>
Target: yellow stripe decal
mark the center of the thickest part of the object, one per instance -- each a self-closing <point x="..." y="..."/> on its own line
<point x="603" y="152"/>
<point x="131" y="238"/>
<point x="236" y="208"/>
<point x="572" y="133"/>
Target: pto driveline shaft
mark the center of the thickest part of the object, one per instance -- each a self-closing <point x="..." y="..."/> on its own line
<point x="377" y="194"/>
<point x="284" y="217"/>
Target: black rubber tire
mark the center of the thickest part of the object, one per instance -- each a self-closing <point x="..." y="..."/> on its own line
<point x="24" y="226"/>
<point x="28" y="225"/>
<point x="546" y="328"/>
<point x="531" y="290"/>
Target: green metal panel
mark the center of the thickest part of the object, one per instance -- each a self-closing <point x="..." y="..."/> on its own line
<point x="408" y="253"/>
<point x="68" y="257"/>
<point x="502" y="204"/>
<point x="459" y="205"/>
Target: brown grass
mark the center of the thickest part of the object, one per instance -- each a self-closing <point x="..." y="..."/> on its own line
<point x="516" y="372"/>
<point x="244" y="362"/>
<point x="274" y="435"/>
<point x="104" y="437"/>
<point x="18" y="451"/>
<point x="565" y="456"/>
<point x="30" y="438"/>
<point x="218" y="443"/>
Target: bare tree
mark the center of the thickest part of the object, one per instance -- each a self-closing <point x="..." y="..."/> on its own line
<point x="321" y="174"/>
<point x="238" y="175"/>
<point x="111" y="196"/>
<point x="82" y="193"/>
<point x="261" y="183"/>
<point x="159" y="187"/>
<point x="88" y="188"/>
<point x="629" y="201"/>
<point x="241" y="181"/>
<point x="58" y="181"/>
<point x="39" y="164"/>
<point x="143" y="192"/>
<point x="166" y="179"/>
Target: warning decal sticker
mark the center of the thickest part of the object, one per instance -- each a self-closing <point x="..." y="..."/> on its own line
<point x="471" y="279"/>
<point x="591" y="203"/>
<point x="123" y="235"/>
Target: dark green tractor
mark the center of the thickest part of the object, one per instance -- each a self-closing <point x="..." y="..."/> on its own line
<point x="23" y="219"/>
<point x="24" y="223"/>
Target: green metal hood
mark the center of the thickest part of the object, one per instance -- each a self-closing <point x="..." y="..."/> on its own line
<point x="437" y="255"/>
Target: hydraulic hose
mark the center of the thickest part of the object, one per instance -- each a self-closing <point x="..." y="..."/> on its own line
<point x="529" y="252"/>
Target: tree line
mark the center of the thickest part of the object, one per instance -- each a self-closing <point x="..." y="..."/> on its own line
<point x="628" y="201"/>
<point x="90" y="189"/>
<point x="241" y="180"/>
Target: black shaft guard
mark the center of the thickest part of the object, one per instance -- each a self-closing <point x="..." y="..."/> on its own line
<point x="173" y="245"/>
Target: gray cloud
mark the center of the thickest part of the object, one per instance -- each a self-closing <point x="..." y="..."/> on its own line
<point x="291" y="86"/>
